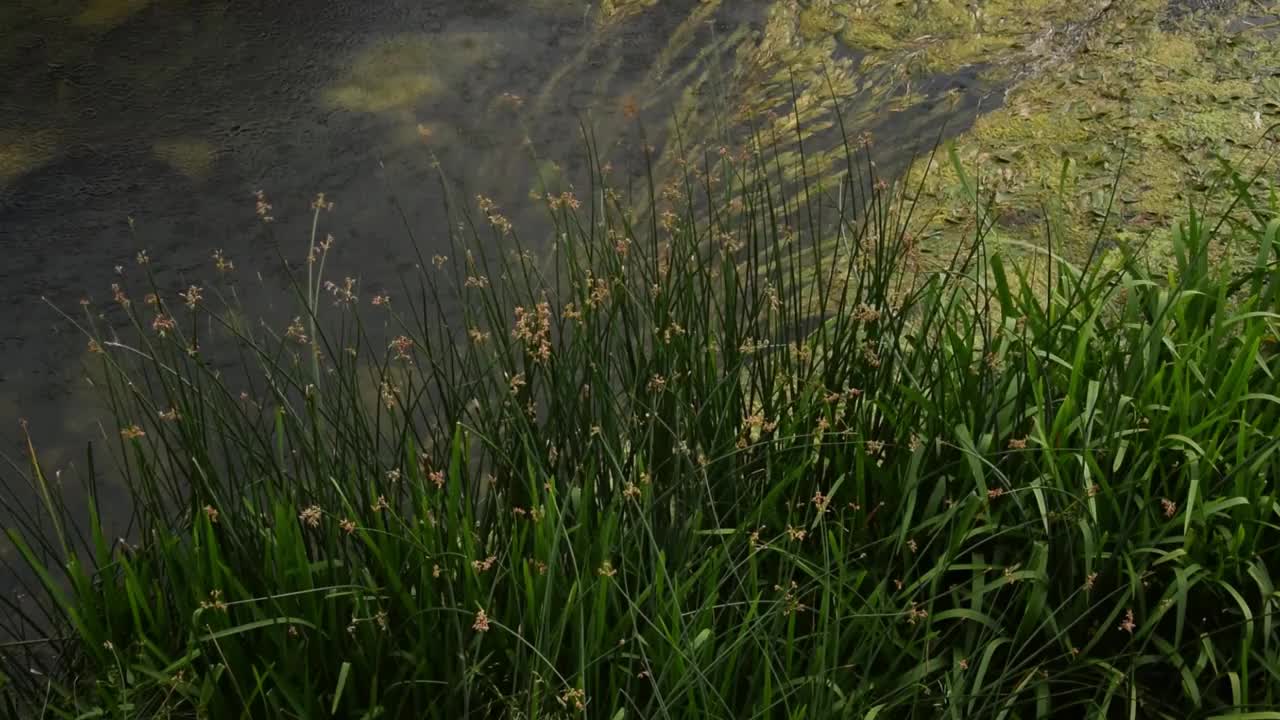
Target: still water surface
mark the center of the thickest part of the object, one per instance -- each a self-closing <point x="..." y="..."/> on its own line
<point x="148" y="124"/>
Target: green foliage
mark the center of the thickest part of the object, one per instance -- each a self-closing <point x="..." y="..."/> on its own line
<point x="687" y="466"/>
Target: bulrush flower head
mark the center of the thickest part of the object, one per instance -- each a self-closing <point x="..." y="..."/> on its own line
<point x="566" y="200"/>
<point x="263" y="207"/>
<point x="496" y="219"/>
<point x="311" y="516"/>
<point x="221" y="263"/>
<point x="533" y="328"/>
<point x="192" y="296"/>
<point x="481" y="623"/>
<point x="1128" y="625"/>
<point x="864" y="313"/>
<point x="402" y="346"/>
<point x="296" y="332"/>
<point x="343" y="293"/>
<point x="163" y="324"/>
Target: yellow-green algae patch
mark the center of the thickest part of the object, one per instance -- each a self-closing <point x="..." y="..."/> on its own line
<point x="605" y="11"/>
<point x="1088" y="81"/>
<point x="799" y="66"/>
<point x="1093" y="90"/>
<point x="622" y="8"/>
<point x="945" y="35"/>
<point x="396" y="73"/>
<point x="190" y="156"/>
<point x="108" y="14"/>
<point x="1147" y="109"/>
<point x="22" y="151"/>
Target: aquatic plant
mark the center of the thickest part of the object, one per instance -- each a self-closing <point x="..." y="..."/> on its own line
<point x="713" y="452"/>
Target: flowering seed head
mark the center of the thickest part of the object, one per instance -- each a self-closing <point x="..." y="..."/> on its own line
<point x="192" y="296"/>
<point x="1128" y="625"/>
<point x="311" y="515"/>
<point x="320" y="203"/>
<point x="402" y="346"/>
<point x="533" y="328"/>
<point x="221" y="263"/>
<point x="915" y="614"/>
<point x="296" y="332"/>
<point x="163" y="324"/>
<point x="263" y="207"/>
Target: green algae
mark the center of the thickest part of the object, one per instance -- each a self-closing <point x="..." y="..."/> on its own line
<point x="1095" y="96"/>
<point x="24" y="151"/>
<point x="397" y="73"/>
<point x="941" y="36"/>
<point x="1148" y="111"/>
<point x="191" y="156"/>
<point x="108" y="14"/>
<point x="620" y="9"/>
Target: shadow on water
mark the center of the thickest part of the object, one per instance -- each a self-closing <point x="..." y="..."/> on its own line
<point x="135" y="124"/>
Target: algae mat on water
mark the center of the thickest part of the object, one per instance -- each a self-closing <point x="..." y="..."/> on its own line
<point x="1148" y="106"/>
<point x="1071" y="98"/>
<point x="718" y="67"/>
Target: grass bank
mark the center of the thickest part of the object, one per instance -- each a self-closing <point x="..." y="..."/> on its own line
<point x="683" y="465"/>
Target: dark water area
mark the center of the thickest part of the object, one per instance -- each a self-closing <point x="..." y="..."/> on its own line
<point x="129" y="125"/>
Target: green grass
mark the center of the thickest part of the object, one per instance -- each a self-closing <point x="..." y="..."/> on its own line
<point x="719" y="474"/>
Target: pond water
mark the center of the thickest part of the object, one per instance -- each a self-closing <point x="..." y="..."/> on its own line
<point x="148" y="124"/>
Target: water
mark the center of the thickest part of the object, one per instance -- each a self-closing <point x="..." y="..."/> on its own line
<point x="148" y="124"/>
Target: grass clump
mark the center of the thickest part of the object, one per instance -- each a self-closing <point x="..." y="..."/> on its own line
<point x="684" y="466"/>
